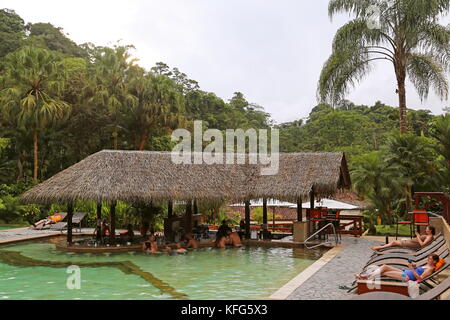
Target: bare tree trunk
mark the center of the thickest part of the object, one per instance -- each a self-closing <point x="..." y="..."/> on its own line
<point x="143" y="142"/>
<point x="36" y="158"/>
<point x="402" y="106"/>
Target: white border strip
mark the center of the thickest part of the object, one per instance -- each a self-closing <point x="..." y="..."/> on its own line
<point x="284" y="292"/>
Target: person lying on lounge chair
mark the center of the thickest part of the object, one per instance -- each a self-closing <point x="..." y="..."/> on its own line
<point x="412" y="274"/>
<point x="50" y="220"/>
<point x="419" y="242"/>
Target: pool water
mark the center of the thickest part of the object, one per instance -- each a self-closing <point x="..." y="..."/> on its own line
<point x="38" y="271"/>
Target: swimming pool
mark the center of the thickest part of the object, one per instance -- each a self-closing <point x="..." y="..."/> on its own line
<point x="36" y="270"/>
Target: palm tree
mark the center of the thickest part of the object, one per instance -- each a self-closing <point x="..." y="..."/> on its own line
<point x="159" y="106"/>
<point x="415" y="159"/>
<point x="441" y="132"/>
<point x="112" y="72"/>
<point x="408" y="35"/>
<point x="378" y="181"/>
<point x="34" y="80"/>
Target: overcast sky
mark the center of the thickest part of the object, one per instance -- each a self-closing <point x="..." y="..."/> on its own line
<point x="271" y="50"/>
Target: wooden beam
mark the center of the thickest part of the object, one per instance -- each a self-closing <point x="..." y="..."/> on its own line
<point x="99" y="211"/>
<point x="113" y="223"/>
<point x="265" y="211"/>
<point x="170" y="210"/>
<point x="299" y="209"/>
<point x="312" y="198"/>
<point x="188" y="217"/>
<point x="247" y="219"/>
<point x="195" y="207"/>
<point x="69" y="223"/>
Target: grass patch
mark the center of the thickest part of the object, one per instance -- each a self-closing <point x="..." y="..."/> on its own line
<point x="386" y="230"/>
<point x="11" y="226"/>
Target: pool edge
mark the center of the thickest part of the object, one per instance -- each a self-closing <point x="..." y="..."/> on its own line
<point x="285" y="291"/>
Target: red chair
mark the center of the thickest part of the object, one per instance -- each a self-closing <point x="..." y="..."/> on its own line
<point x="418" y="218"/>
<point x="333" y="216"/>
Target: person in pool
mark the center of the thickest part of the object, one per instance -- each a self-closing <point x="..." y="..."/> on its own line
<point x="191" y="242"/>
<point x="419" y="242"/>
<point x="414" y="273"/>
<point x="234" y="239"/>
<point x="150" y="246"/>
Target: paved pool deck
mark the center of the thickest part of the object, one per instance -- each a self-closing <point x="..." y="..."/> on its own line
<point x="25" y="234"/>
<point x="336" y="271"/>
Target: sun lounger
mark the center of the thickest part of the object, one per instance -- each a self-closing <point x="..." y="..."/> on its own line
<point x="442" y="252"/>
<point x="431" y="294"/>
<point x="395" y="286"/>
<point x="63" y="215"/>
<point x="439" y="237"/>
<point x="414" y="257"/>
<point x="77" y="219"/>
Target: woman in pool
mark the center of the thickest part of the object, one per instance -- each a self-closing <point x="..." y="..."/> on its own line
<point x="191" y="242"/>
<point x="150" y="246"/>
<point x="412" y="274"/>
<point x="419" y="242"/>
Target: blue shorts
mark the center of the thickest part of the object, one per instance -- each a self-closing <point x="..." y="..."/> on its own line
<point x="410" y="274"/>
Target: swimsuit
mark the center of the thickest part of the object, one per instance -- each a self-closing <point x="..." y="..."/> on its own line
<point x="410" y="275"/>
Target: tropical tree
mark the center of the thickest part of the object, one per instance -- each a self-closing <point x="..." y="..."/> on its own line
<point x="405" y="33"/>
<point x="113" y="69"/>
<point x="414" y="157"/>
<point x="441" y="133"/>
<point x="378" y="181"/>
<point x="160" y="105"/>
<point x="34" y="80"/>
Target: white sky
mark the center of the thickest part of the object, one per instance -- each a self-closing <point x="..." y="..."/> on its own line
<point x="272" y="51"/>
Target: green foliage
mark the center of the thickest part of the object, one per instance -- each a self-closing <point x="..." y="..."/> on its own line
<point x="257" y="215"/>
<point x="12" y="32"/>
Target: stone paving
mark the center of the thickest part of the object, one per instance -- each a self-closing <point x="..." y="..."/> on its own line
<point x="12" y="234"/>
<point x="324" y="285"/>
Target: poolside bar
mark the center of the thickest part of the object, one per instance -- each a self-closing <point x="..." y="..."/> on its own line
<point x="140" y="177"/>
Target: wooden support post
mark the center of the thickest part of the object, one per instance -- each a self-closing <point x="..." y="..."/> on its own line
<point x="195" y="207"/>
<point x="265" y="211"/>
<point x="299" y="209"/>
<point x="113" y="223"/>
<point x="99" y="211"/>
<point x="312" y="199"/>
<point x="188" y="217"/>
<point x="273" y="220"/>
<point x="69" y="223"/>
<point x="170" y="210"/>
<point x="247" y="219"/>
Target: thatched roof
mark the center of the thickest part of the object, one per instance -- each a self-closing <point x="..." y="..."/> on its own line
<point x="141" y="177"/>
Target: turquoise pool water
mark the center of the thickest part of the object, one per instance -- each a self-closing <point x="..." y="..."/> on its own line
<point x="38" y="271"/>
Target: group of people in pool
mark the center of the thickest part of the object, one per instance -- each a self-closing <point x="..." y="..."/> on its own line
<point x="414" y="272"/>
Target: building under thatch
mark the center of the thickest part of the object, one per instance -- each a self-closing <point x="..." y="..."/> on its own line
<point x="138" y="177"/>
<point x="142" y="177"/>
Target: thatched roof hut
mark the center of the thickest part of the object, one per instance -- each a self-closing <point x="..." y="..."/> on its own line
<point x="141" y="177"/>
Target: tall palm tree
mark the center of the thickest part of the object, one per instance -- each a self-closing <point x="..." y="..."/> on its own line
<point x="406" y="34"/>
<point x="159" y="105"/>
<point x="112" y="72"/>
<point x="34" y="80"/>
